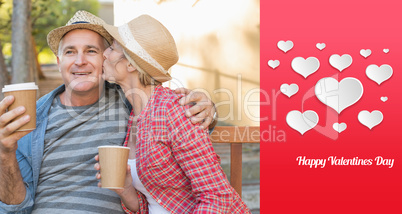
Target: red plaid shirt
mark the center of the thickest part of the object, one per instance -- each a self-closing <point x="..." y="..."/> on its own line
<point x="176" y="162"/>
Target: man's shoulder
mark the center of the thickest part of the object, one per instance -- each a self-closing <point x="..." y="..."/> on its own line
<point x="50" y="96"/>
<point x="112" y="86"/>
<point x="113" y="89"/>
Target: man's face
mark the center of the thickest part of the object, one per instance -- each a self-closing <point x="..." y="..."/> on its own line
<point x="80" y="61"/>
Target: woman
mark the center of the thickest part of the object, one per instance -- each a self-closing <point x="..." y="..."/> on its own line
<point x="174" y="168"/>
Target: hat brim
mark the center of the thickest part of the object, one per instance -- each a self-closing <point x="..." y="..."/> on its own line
<point x="154" y="72"/>
<point x="54" y="37"/>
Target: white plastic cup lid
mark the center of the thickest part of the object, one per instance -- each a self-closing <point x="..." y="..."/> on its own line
<point x="112" y="146"/>
<point x="20" y="87"/>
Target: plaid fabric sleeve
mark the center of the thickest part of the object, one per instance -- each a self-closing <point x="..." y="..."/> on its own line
<point x="143" y="205"/>
<point x="194" y="153"/>
<point x="141" y="198"/>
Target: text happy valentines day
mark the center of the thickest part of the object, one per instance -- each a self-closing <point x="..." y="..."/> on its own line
<point x="341" y="161"/>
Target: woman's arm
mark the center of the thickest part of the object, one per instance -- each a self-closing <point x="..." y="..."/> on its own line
<point x="194" y="153"/>
<point x="143" y="205"/>
<point x="128" y="195"/>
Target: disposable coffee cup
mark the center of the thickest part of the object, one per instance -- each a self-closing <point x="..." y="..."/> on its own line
<point x="113" y="163"/>
<point x="24" y="95"/>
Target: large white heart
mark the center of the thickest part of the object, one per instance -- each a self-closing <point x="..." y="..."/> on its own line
<point x="285" y="46"/>
<point x="302" y="122"/>
<point x="305" y="67"/>
<point x="370" y="119"/>
<point x="340" y="62"/>
<point x="289" y="90"/>
<point x="365" y="53"/>
<point x="379" y="74"/>
<point x="273" y="63"/>
<point x="339" y="95"/>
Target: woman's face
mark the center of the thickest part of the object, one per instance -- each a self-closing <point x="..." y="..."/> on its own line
<point x="115" y="63"/>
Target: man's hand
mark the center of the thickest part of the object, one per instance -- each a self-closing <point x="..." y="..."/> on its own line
<point x="12" y="188"/>
<point x="8" y="134"/>
<point x="203" y="108"/>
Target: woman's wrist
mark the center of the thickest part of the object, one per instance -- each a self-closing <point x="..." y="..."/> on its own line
<point x="127" y="191"/>
<point x="129" y="198"/>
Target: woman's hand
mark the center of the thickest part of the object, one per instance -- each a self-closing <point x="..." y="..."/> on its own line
<point x="128" y="194"/>
<point x="128" y="186"/>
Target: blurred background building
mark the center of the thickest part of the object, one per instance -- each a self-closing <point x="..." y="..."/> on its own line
<point x="218" y="45"/>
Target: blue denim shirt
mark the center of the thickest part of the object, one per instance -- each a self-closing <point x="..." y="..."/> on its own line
<point x="30" y="151"/>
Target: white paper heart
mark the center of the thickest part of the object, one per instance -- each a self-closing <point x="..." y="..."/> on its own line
<point x="384" y="99"/>
<point x="305" y="67"/>
<point x="340" y="62"/>
<point x="339" y="127"/>
<point x="365" y="53"/>
<point x="302" y="122"/>
<point x="379" y="74"/>
<point x="289" y="90"/>
<point x="285" y="46"/>
<point x="320" y="46"/>
<point x="386" y="50"/>
<point x="339" y="95"/>
<point x="273" y="63"/>
<point x="370" y="119"/>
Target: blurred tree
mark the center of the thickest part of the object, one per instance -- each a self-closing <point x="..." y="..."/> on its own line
<point x="45" y="16"/>
<point x="21" y="65"/>
<point x="4" y="77"/>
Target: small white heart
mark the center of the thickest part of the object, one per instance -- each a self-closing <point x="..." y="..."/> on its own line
<point x="289" y="90"/>
<point x="384" y="99"/>
<point x="339" y="127"/>
<point x="273" y="63"/>
<point x="379" y="74"/>
<point x="302" y="122"/>
<point x="340" y="62"/>
<point x="386" y="50"/>
<point x="285" y="46"/>
<point x="320" y="46"/>
<point x="365" y="53"/>
<point x="370" y="119"/>
<point x="305" y="67"/>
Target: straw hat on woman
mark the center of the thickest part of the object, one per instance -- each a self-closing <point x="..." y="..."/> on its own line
<point x="174" y="168"/>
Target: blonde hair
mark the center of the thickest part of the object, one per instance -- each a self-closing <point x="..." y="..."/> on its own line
<point x="145" y="79"/>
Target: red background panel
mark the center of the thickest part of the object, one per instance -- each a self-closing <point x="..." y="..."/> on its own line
<point x="345" y="27"/>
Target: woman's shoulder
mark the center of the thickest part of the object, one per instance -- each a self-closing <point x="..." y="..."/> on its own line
<point x="166" y="97"/>
<point x="166" y="105"/>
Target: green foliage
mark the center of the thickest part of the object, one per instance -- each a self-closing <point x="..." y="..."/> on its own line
<point x="46" y="15"/>
<point x="49" y="14"/>
<point x="6" y="8"/>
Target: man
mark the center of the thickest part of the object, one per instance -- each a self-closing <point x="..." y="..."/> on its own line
<point x="50" y="170"/>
